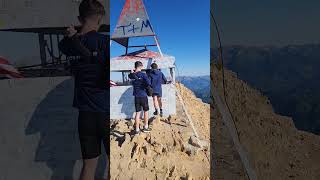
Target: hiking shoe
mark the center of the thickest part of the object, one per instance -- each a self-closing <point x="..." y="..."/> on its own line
<point x="146" y="130"/>
<point x="155" y="113"/>
<point x="135" y="133"/>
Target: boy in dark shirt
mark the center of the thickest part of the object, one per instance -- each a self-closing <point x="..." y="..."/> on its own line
<point x="140" y="83"/>
<point x="157" y="79"/>
<point x="89" y="48"/>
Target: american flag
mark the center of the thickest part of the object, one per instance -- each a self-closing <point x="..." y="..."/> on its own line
<point x="7" y="70"/>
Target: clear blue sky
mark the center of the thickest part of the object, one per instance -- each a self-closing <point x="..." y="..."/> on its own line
<point x="183" y="29"/>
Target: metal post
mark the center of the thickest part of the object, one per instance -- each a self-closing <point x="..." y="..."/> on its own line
<point x="123" y="80"/>
<point x="158" y="45"/>
<point x="42" y="48"/>
<point x="127" y="46"/>
<point x="59" y="52"/>
<point x="51" y="46"/>
<point x="173" y="76"/>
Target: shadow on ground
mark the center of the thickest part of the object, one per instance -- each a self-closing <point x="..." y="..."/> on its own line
<point x="56" y="121"/>
<point x="127" y="106"/>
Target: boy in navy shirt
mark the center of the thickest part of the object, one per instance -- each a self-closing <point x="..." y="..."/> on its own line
<point x="90" y="53"/>
<point x="157" y="79"/>
<point x="140" y="83"/>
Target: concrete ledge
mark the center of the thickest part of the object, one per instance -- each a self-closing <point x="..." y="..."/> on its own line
<point x="127" y="65"/>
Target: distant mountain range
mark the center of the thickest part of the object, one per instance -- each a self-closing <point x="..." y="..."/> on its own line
<point x="200" y="85"/>
<point x="288" y="75"/>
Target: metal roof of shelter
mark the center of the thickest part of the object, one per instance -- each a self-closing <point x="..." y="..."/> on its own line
<point x="126" y="62"/>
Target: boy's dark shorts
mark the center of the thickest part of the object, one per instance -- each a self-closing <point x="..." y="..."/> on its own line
<point x="93" y="130"/>
<point x="156" y="94"/>
<point x="141" y="103"/>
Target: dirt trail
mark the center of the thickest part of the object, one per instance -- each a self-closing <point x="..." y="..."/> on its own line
<point x="168" y="151"/>
<point x="276" y="149"/>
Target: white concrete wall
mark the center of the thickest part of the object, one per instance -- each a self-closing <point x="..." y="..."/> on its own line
<point x="122" y="101"/>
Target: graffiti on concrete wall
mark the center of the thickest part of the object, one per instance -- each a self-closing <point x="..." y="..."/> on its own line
<point x="133" y="21"/>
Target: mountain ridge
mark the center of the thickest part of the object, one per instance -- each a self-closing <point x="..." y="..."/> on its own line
<point x="200" y="85"/>
<point x="276" y="149"/>
<point x="288" y="75"/>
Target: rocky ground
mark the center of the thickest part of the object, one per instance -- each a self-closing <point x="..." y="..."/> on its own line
<point x="276" y="149"/>
<point x="170" y="151"/>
